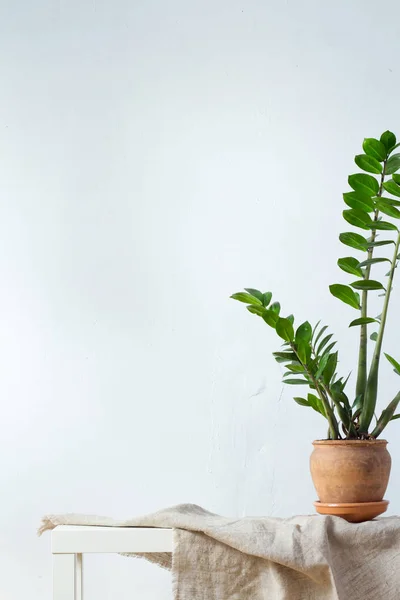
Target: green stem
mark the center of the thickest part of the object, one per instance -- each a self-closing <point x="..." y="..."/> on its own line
<point x="371" y="392"/>
<point x="362" y="354"/>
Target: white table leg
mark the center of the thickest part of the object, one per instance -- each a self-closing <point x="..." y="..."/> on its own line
<point x="78" y="577"/>
<point x="63" y="576"/>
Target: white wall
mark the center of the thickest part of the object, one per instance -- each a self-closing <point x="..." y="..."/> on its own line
<point x="154" y="158"/>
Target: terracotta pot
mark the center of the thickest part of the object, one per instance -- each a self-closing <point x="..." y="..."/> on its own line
<point x="349" y="471"/>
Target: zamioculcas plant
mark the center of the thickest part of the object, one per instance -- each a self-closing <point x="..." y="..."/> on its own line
<point x="309" y="353"/>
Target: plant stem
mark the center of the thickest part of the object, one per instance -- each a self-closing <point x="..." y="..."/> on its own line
<point x="371" y="392"/>
<point x="362" y="354"/>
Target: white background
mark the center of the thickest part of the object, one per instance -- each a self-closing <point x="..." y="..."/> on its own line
<point x="154" y="158"/>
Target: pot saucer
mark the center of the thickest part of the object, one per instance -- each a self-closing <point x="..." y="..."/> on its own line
<point x="354" y="512"/>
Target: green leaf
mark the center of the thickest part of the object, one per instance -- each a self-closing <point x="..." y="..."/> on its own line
<point x="290" y="318"/>
<point x="323" y="343"/>
<point x="255" y="293"/>
<point x="366" y="184"/>
<point x="284" y="356"/>
<point x="354" y="240"/>
<point x="321" y="332"/>
<point x="345" y="294"/>
<point x="322" y="365"/>
<point x="303" y="351"/>
<point x="270" y="317"/>
<point x="256" y="310"/>
<point x="388" y="139"/>
<point x="350" y="265"/>
<point x="384" y="226"/>
<point x="394" y="363"/>
<point x="304" y="332"/>
<point x="392" y="187"/>
<point x="316" y="404"/>
<point x="296" y="368"/>
<point x="275" y="307"/>
<point x="285" y="330"/>
<point x="302" y="401"/>
<point x="375" y="148"/>
<point x="373" y="261"/>
<point x="381" y="243"/>
<point x="295" y="381"/>
<point x="390" y="201"/>
<point x="367" y="284"/>
<point x="386" y="416"/>
<point x="396" y="179"/>
<point x="247" y="298"/>
<point x="328" y="348"/>
<point x="362" y="321"/>
<point x="357" y="218"/>
<point x="359" y="201"/>
<point x="330" y="368"/>
<point x="374" y="336"/>
<point x="368" y="163"/>
<point x="388" y="209"/>
<point x="266" y="299"/>
<point x="393" y="164"/>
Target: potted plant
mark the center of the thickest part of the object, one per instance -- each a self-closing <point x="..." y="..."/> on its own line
<point x="351" y="468"/>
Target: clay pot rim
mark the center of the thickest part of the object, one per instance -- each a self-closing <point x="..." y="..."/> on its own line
<point x="353" y="443"/>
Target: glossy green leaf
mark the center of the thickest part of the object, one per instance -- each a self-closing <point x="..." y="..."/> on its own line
<point x="345" y="294"/>
<point x="330" y="368"/>
<point x="393" y="362"/>
<point x="328" y="348"/>
<point x="296" y="368"/>
<point x="354" y="240"/>
<point x="295" y="381"/>
<point x="367" y="284"/>
<point x="390" y="201"/>
<point x="350" y="265"/>
<point x="381" y="243"/>
<point x="275" y="307"/>
<point x="270" y="317"/>
<point x="393" y="164"/>
<point x="358" y="218"/>
<point x="290" y="318"/>
<point x="388" y="209"/>
<point x="284" y="356"/>
<point x="372" y="261"/>
<point x="374" y="336"/>
<point x="368" y="163"/>
<point x="247" y="298"/>
<point x="383" y="226"/>
<point x="388" y="139"/>
<point x="366" y="184"/>
<point x="266" y="299"/>
<point x="316" y="404"/>
<point x="323" y="343"/>
<point x="362" y="321"/>
<point x="285" y="330"/>
<point x="302" y="401"/>
<point x="396" y="179"/>
<point x="303" y="351"/>
<point x="392" y="187"/>
<point x="320" y="334"/>
<point x="375" y="148"/>
<point x="255" y="293"/>
<point x="322" y="365"/>
<point x="256" y="310"/>
<point x="359" y="201"/>
<point x="304" y="332"/>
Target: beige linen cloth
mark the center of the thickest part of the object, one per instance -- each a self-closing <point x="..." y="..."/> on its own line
<point x="264" y="558"/>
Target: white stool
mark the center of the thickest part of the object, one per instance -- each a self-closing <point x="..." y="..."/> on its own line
<point x="68" y="543"/>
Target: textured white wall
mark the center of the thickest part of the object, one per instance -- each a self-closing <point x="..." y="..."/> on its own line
<point x="154" y="158"/>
